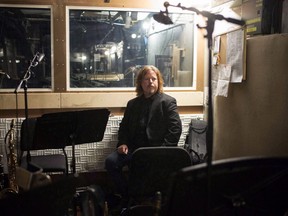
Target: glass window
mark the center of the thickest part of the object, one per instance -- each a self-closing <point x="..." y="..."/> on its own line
<point x="108" y="47"/>
<point x="25" y="34"/>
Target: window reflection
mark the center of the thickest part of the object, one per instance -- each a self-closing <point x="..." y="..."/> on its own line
<point x="108" y="47"/>
<point x="24" y="32"/>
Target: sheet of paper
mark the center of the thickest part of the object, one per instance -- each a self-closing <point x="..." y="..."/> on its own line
<point x="216" y="50"/>
<point x="221" y="75"/>
<point x="222" y="88"/>
<point x="234" y="54"/>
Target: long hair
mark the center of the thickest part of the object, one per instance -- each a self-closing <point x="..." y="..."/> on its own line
<point x="142" y="72"/>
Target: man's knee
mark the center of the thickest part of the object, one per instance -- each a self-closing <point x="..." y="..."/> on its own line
<point x="109" y="163"/>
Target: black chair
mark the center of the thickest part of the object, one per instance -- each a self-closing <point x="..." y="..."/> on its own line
<point x="240" y="186"/>
<point x="31" y="140"/>
<point x="149" y="173"/>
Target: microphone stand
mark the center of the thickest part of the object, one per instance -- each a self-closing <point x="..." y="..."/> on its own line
<point x="24" y="80"/>
<point x="7" y="75"/>
<point x="210" y="24"/>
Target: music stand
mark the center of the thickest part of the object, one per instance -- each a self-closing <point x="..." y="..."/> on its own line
<point x="71" y="128"/>
<point x="240" y="186"/>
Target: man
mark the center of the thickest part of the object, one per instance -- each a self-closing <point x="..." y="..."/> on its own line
<point x="150" y="119"/>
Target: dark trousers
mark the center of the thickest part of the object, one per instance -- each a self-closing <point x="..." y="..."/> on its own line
<point x="114" y="164"/>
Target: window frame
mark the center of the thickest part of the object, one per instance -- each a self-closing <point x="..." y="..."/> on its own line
<point x="37" y="6"/>
<point x="125" y="89"/>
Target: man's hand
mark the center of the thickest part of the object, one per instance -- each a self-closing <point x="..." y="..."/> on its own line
<point x="122" y="149"/>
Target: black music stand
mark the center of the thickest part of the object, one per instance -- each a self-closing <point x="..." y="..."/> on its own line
<point x="71" y="128"/>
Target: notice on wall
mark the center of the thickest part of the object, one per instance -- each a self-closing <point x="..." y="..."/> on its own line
<point x="234" y="56"/>
<point x="230" y="49"/>
<point x="221" y="79"/>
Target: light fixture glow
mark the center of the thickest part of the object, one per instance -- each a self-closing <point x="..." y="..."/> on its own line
<point x="113" y="49"/>
<point x="133" y="35"/>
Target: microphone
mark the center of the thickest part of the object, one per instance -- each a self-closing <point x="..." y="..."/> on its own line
<point x="37" y="59"/>
<point x="40" y="57"/>
<point x="166" y="4"/>
<point x="163" y="17"/>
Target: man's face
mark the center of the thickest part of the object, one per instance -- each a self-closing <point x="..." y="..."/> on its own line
<point x="149" y="83"/>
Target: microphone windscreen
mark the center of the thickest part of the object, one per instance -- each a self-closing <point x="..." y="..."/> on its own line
<point x="162" y="18"/>
<point x="166" y="4"/>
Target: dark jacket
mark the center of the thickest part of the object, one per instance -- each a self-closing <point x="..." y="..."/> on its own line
<point x="164" y="125"/>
